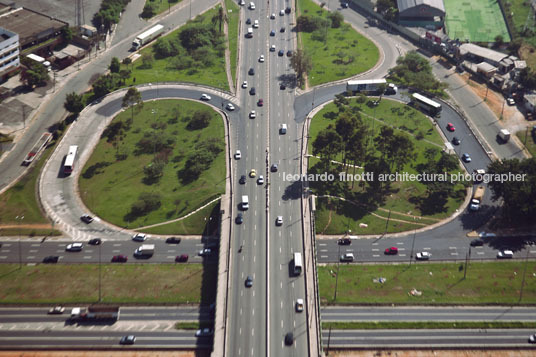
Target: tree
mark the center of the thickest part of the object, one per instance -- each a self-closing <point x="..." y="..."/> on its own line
<point x="115" y="66"/>
<point x="74" y="103"/>
<point x="336" y="19"/>
<point x="105" y="84"/>
<point x="147" y="202"/>
<point x="147" y="60"/>
<point x="149" y="10"/>
<point x="124" y="74"/>
<point x="196" y="35"/>
<point x="200" y="120"/>
<point x="382" y="87"/>
<point x="67" y="34"/>
<point x="154" y="171"/>
<point x="527" y="78"/>
<point x="301" y="63"/>
<point x="219" y="18"/>
<point x="131" y="98"/>
<point x="36" y="75"/>
<point x="499" y="40"/>
<point x="327" y="143"/>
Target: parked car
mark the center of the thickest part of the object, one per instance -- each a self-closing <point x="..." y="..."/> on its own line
<point x="344" y="241"/>
<point x="299" y="305"/>
<point x="119" y="259"/>
<point x="127" y="340"/>
<point x="510" y="101"/>
<point x="86" y="218"/>
<point x="139" y="237"/>
<point x="95" y="241"/>
<point x="487" y="235"/>
<point x="532" y="338"/>
<point x="74" y="247"/>
<point x="344" y="5"/>
<point x="56" y="310"/>
<point x="423" y="256"/>
<point x="173" y="240"/>
<point x="204" y="332"/>
<point x="183" y="258"/>
<point x="51" y="259"/>
<point x="347" y="257"/>
<point x="391" y="251"/>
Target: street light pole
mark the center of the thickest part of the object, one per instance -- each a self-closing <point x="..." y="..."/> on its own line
<point x="19" y="220"/>
<point x="100" y="274"/>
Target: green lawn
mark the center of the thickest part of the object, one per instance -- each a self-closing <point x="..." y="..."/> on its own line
<point x="233" y="16"/>
<point x="109" y="187"/>
<point x="121" y="283"/>
<point x="334" y="217"/>
<point x="520" y="14"/>
<point x="345" y="53"/>
<point x="528" y="140"/>
<point x="160" y="71"/>
<point x="441" y="283"/>
<point x="162" y="5"/>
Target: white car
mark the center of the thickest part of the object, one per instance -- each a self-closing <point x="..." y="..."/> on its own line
<point x="204" y="332"/>
<point x="205" y="252"/>
<point x="510" y="101"/>
<point x="279" y="221"/>
<point x="299" y="305"/>
<point x="205" y="97"/>
<point x="229" y="107"/>
<point x="272" y="16"/>
<point x="532" y="338"/>
<point x="272" y="48"/>
<point x="505" y="254"/>
<point x="423" y="256"/>
<point x="139" y="237"/>
<point x="282" y="13"/>
<point x="245" y="84"/>
<point x="487" y="235"/>
<point x="256" y="24"/>
<point x="347" y="257"/>
<point x="252" y="6"/>
<point x="242" y="3"/>
<point x="260" y="180"/>
<point x="74" y="247"/>
<point x="238" y="155"/>
<point x="252" y="114"/>
<point x="261" y="58"/>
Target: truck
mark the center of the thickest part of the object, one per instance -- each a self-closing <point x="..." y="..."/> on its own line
<point x="39" y="59"/>
<point x="504" y="135"/>
<point x="95" y="313"/>
<point x="147" y="36"/>
<point x="477" y="198"/>
<point x="39" y="145"/>
<point x="145" y="250"/>
<point x="370" y="86"/>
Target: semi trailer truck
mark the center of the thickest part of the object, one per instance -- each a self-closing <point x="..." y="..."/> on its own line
<point x="147" y="36"/>
<point x="95" y="313"/>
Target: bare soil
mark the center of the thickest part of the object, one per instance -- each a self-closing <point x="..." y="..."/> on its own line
<point x="103" y="353"/>
<point x="435" y="353"/>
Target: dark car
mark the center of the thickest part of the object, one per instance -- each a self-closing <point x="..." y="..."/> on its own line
<point x="252" y="91"/>
<point x="128" y="340"/>
<point x="248" y="21"/>
<point x="260" y="103"/>
<point x="239" y="219"/>
<point x="287" y="10"/>
<point x="183" y="258"/>
<point x="344" y="5"/>
<point x="51" y="259"/>
<point x="344" y="241"/>
<point x="282" y="86"/>
<point x="249" y="282"/>
<point x="251" y="71"/>
<point x="289" y="339"/>
<point x="274" y="168"/>
<point x="455" y="140"/>
<point x="86" y="218"/>
<point x="95" y="241"/>
<point x="477" y="243"/>
<point x="242" y="179"/>
<point x="391" y="251"/>
<point x="272" y="33"/>
<point x="173" y="240"/>
<point x="119" y="259"/>
<point x="282" y="29"/>
<point x="289" y="53"/>
<point x="280" y="53"/>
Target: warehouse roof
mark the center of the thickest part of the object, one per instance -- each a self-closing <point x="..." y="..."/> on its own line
<point x="408" y="4"/>
<point x="482" y="52"/>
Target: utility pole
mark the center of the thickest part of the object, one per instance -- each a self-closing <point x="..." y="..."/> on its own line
<point x="100" y="273"/>
<point x="412" y="245"/>
<point x="19" y="220"/>
<point x="337" y="276"/>
<point x="467" y="256"/>
<point x="524" y="273"/>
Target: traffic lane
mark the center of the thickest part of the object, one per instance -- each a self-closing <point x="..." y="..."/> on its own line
<point x="427" y="337"/>
<point x="423" y="313"/>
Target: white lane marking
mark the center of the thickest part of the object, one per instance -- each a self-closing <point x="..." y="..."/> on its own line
<point x="452" y="248"/>
<point x="455" y="253"/>
<point x="427" y="248"/>
<point x="375" y="255"/>
<point x="323" y="256"/>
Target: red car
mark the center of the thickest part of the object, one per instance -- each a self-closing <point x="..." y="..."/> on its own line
<point x="450" y="127"/>
<point x="181" y="258"/>
<point x="391" y="251"/>
<point x="260" y="103"/>
<point x="119" y="259"/>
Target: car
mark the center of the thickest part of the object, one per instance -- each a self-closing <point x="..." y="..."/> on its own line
<point x="283" y="129"/>
<point x="260" y="102"/>
<point x="239" y="219"/>
<point x="279" y="221"/>
<point x="173" y="240"/>
<point x="478" y="175"/>
<point x="289" y="53"/>
<point x="282" y="13"/>
<point x="230" y="107"/>
<point x="466" y="157"/>
<point x="272" y="48"/>
<point x="56" y="310"/>
<point x="487" y="235"/>
<point x="282" y="29"/>
<point x="252" y="114"/>
<point x="450" y="127"/>
<point x="391" y="251"/>
<point x="344" y="241"/>
<point x="251" y="71"/>
<point x="74" y="247"/>
<point x="505" y="254"/>
<point x="347" y="257"/>
<point x="281" y="53"/>
<point x="51" y="259"/>
<point x="510" y="101"/>
<point x="181" y="258"/>
<point x="86" y="218"/>
<point x="272" y="16"/>
<point x="282" y="86"/>
<point x="260" y="180"/>
<point x="128" y="340"/>
<point x="261" y="58"/>
<point x="456" y="141"/>
<point x="289" y="339"/>
<point x="477" y="243"/>
<point x="253" y="173"/>
<point x="249" y="282"/>
<point x="532" y="338"/>
<point x="238" y="155"/>
<point x="204" y="252"/>
<point x="245" y="84"/>
<point x="344" y="5"/>
<point x="274" y="168"/>
<point x="248" y="21"/>
<point x="272" y="33"/>
<point x="95" y="241"/>
<point x="139" y="237"/>
<point x="299" y="305"/>
<point x="205" y="97"/>
<point x="119" y="258"/>
<point x="242" y="3"/>
<point x="422" y="256"/>
<point x="242" y="179"/>
<point x="252" y="6"/>
<point x="256" y="24"/>
<point x="204" y="332"/>
<point x="252" y="91"/>
<point x="287" y="10"/>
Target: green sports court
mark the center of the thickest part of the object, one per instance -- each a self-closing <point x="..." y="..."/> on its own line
<point x="475" y="20"/>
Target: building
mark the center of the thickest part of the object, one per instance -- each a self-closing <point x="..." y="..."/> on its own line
<point x="530" y="102"/>
<point x="486" y="69"/>
<point x="478" y="54"/>
<point x="9" y="53"/>
<point x="421" y="13"/>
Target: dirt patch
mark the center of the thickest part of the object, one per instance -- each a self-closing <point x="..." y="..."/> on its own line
<point x="528" y="53"/>
<point x="435" y="353"/>
<point x="100" y="354"/>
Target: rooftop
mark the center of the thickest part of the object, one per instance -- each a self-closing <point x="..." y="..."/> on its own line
<point x="407" y="4"/>
<point x="482" y="52"/>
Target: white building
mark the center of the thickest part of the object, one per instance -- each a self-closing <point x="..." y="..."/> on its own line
<point x="9" y="52"/>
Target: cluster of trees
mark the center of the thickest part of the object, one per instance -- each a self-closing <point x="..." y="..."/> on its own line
<point x="200" y="160"/>
<point x="388" y="8"/>
<point x="108" y="13"/>
<point x="318" y="25"/>
<point x="35" y="73"/>
<point x="200" y="119"/>
<point x="147" y="202"/>
<point x="301" y="63"/>
<point x="527" y="78"/>
<point x="150" y="8"/>
<point x="415" y="72"/>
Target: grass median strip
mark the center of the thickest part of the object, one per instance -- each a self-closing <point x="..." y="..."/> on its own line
<point x="427" y="325"/>
<point x="194" y="325"/>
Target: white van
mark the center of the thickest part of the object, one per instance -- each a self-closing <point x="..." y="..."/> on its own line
<point x="245" y="202"/>
<point x="250" y="33"/>
<point x="298" y="265"/>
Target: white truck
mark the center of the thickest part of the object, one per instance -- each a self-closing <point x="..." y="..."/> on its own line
<point x="370" y="86"/>
<point x="504" y="135"/>
<point x="147" y="36"/>
<point x="144" y="250"/>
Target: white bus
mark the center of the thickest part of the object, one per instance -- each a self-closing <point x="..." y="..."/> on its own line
<point x="68" y="166"/>
<point x="298" y="264"/>
<point x="426" y="104"/>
